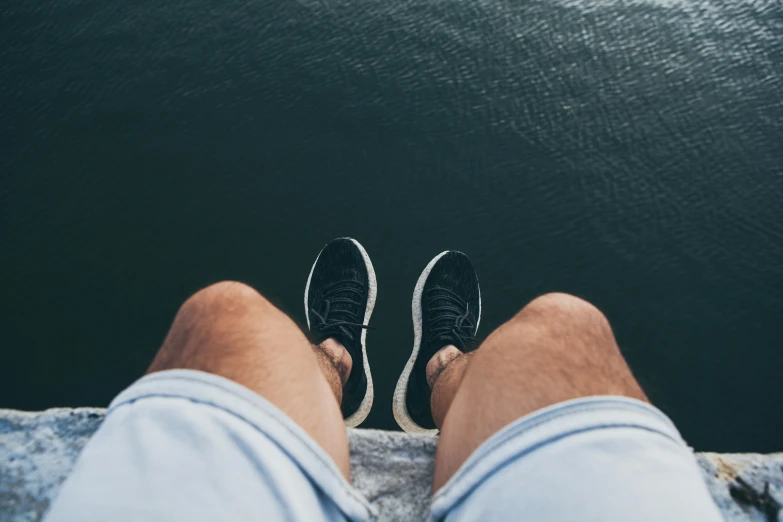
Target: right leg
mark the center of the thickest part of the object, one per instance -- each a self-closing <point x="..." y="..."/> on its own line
<point x="557" y="348"/>
<point x="544" y="421"/>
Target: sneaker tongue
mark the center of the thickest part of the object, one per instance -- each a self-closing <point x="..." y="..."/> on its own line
<point x="444" y="318"/>
<point x="445" y="339"/>
<point x="340" y="309"/>
<point x="440" y="299"/>
<point x="345" y="311"/>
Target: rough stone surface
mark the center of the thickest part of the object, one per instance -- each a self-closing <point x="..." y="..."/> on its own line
<point x="37" y="450"/>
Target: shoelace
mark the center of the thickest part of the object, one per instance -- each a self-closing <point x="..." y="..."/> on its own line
<point x="454" y="324"/>
<point x="334" y="293"/>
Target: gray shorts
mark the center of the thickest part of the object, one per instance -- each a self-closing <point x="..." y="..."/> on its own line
<point x="191" y="446"/>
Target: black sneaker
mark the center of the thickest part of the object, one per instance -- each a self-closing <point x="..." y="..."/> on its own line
<point x="446" y="310"/>
<point x="339" y="299"/>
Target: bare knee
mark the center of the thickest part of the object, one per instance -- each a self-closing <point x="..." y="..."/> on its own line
<point x="212" y="321"/>
<point x="560" y="304"/>
<point x="224" y="297"/>
<point x="559" y="313"/>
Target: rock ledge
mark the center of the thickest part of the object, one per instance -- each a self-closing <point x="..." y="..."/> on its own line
<point x="393" y="469"/>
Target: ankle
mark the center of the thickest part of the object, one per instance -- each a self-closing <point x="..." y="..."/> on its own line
<point x="439" y="362"/>
<point x="338" y="356"/>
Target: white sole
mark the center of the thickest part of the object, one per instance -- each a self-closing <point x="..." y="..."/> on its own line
<point x="361" y="413"/>
<point x="399" y="404"/>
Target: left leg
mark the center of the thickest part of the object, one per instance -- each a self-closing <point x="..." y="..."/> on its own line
<point x="229" y="329"/>
<point x="239" y="416"/>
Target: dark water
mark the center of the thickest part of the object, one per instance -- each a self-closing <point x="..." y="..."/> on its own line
<point x="628" y="152"/>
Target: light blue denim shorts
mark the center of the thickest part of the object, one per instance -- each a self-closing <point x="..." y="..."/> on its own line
<point x="189" y="446"/>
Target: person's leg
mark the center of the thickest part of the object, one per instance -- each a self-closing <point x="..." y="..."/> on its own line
<point x="557" y="348"/>
<point x="544" y="421"/>
<point x="239" y="415"/>
<point x="230" y="330"/>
